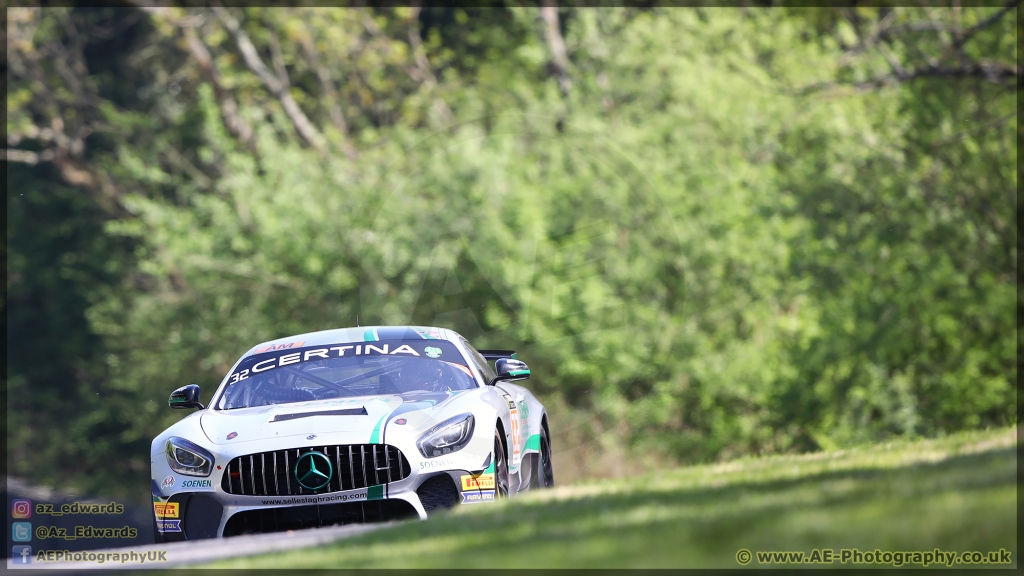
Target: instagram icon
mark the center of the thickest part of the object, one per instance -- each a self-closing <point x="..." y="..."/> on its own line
<point x="21" y="508"/>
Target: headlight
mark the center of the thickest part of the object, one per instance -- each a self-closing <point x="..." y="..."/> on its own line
<point x="184" y="457"/>
<point x="449" y="436"/>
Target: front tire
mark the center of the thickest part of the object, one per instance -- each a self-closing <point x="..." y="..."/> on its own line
<point x="158" y="537"/>
<point x="500" y="466"/>
<point x="544" y="475"/>
<point x="545" y="459"/>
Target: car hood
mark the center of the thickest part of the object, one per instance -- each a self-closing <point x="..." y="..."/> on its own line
<point x="322" y="417"/>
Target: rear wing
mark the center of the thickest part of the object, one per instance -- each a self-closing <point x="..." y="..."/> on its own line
<point x="496" y="354"/>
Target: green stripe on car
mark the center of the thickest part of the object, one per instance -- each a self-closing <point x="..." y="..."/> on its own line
<point x="533" y="443"/>
<point x="375" y="435"/>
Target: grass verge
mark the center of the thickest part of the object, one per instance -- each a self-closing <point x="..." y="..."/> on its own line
<point x="957" y="493"/>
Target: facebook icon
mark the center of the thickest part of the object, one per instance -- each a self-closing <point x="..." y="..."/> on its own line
<point x="21" y="555"/>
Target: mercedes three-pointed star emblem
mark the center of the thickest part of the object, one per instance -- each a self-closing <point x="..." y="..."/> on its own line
<point x="313" y="470"/>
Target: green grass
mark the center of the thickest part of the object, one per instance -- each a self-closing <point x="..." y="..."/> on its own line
<point x="957" y="493"/>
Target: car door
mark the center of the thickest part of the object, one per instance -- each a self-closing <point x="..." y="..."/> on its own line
<point x="511" y="416"/>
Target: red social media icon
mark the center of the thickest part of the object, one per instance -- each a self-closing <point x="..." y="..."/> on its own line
<point x="21" y="508"/>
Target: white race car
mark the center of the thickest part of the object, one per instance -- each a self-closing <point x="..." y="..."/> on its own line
<point x="349" y="425"/>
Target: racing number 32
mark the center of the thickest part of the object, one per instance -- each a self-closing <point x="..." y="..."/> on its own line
<point x="239" y="376"/>
<point x="516" y="435"/>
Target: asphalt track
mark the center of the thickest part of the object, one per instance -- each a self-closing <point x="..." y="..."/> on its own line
<point x="205" y="551"/>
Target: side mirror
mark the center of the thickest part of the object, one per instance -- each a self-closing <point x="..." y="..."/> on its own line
<point x="510" y="369"/>
<point x="185" y="397"/>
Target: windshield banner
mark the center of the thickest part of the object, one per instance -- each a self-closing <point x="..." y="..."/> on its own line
<point x="285" y="356"/>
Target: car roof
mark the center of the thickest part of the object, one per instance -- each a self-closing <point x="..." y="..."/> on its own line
<point x="358" y="334"/>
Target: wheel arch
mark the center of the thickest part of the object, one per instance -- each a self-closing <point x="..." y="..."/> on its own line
<point x="500" y="426"/>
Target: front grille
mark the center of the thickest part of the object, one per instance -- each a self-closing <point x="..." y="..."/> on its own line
<point x="354" y="466"/>
<point x="299" y="517"/>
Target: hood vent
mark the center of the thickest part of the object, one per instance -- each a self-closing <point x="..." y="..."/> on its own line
<point x="361" y="411"/>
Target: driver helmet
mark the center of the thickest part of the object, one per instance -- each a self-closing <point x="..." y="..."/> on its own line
<point x="429" y="375"/>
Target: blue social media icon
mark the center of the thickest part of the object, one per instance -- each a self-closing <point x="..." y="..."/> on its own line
<point x="21" y="531"/>
<point x="21" y="555"/>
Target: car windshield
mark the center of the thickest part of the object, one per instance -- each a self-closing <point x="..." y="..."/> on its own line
<point x="298" y="374"/>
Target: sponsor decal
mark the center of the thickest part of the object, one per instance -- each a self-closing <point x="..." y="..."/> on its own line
<point x="168" y="482"/>
<point x="477" y="497"/>
<point x="197" y="484"/>
<point x="168" y="525"/>
<point x="367" y="494"/>
<point x="166" y="509"/>
<point x="428" y="333"/>
<point x="524" y="409"/>
<point x="273" y="347"/>
<point x="516" y="436"/>
<point x="478" y="482"/>
<point x="442" y="463"/>
<point x="508" y="400"/>
<point x="281" y="355"/>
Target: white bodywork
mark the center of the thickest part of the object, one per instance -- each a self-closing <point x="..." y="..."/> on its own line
<point x="507" y="407"/>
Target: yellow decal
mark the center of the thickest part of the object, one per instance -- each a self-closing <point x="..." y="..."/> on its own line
<point x="479" y="482"/>
<point x="166" y="509"/>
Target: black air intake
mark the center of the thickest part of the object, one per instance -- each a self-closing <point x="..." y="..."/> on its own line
<point x="438" y="493"/>
<point x="299" y="517"/>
